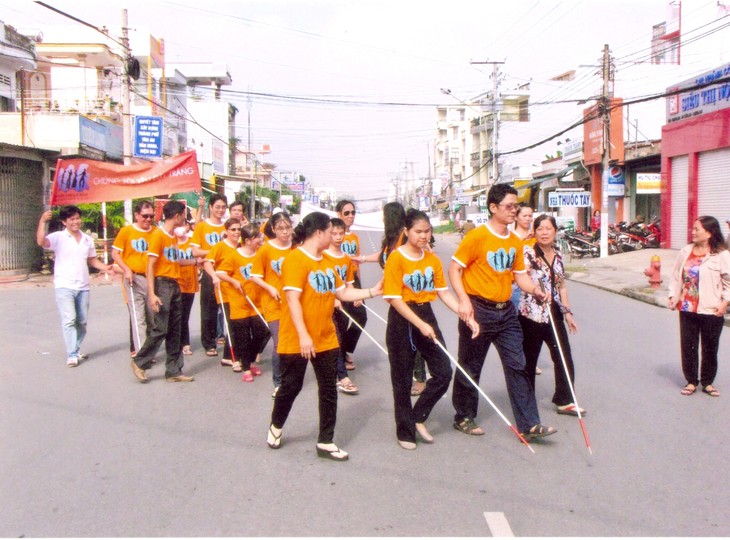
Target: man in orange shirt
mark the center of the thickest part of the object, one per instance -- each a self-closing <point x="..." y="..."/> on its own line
<point x="481" y="274"/>
<point x="164" y="298"/>
<point x="129" y="252"/>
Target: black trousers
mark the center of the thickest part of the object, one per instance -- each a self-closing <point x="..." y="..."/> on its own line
<point x="403" y="340"/>
<point x="696" y="329"/>
<point x="165" y="326"/>
<point x="293" y="368"/>
<point x="208" y="312"/>
<point x="247" y="335"/>
<point x="534" y="334"/>
<point x="187" y="307"/>
<point x="352" y="335"/>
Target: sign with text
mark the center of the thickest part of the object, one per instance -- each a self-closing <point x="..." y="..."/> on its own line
<point x="148" y="136"/>
<point x="615" y="184"/>
<point x="696" y="101"/>
<point x="580" y="199"/>
<point x="648" y="183"/>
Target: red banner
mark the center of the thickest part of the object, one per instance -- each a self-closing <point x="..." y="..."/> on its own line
<point x="82" y="180"/>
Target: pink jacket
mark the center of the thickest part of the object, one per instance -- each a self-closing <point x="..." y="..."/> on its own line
<point x="714" y="279"/>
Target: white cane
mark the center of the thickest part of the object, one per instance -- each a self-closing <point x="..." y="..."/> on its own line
<point x="134" y="316"/>
<point x="225" y="323"/>
<point x="374" y="313"/>
<point x="256" y="309"/>
<point x="484" y="395"/>
<point x="567" y="376"/>
<point x="364" y="331"/>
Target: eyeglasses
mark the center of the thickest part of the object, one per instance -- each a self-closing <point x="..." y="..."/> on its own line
<point x="349" y="213"/>
<point x="234" y="229"/>
<point x="510" y="206"/>
<point x="219" y="207"/>
<point x="147" y="216"/>
<point x="283" y="228"/>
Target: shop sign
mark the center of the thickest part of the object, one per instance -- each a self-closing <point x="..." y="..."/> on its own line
<point x="647" y="183"/>
<point x="615" y="183"/>
<point x="578" y="199"/>
<point x="697" y="101"/>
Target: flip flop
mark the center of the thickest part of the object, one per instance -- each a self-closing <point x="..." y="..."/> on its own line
<point x="688" y="390"/>
<point x="711" y="391"/>
<point x="571" y="410"/>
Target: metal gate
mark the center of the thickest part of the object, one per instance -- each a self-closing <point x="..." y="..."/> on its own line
<point x="21" y="204"/>
<point x="680" y="179"/>
<point x="713" y="197"/>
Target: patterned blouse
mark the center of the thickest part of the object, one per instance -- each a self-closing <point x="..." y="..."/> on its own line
<point x="690" y="296"/>
<point x="551" y="282"/>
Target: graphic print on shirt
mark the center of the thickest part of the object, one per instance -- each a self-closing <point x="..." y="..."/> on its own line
<point x="213" y="238"/>
<point x="185" y="254"/>
<point x="341" y="271"/>
<point x="322" y="281"/>
<point x="349" y="247"/>
<point x="501" y="261"/>
<point x="276" y="265"/>
<point x="140" y="245"/>
<point x="246" y="271"/>
<point x="171" y="253"/>
<point x="420" y="281"/>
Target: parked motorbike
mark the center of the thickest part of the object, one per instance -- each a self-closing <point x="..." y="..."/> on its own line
<point x="582" y="243"/>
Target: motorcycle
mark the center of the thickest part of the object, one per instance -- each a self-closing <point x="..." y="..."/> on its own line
<point x="581" y="244"/>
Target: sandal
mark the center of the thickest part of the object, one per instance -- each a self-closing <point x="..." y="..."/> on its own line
<point x="571" y="409"/>
<point x="332" y="452"/>
<point x="538" y="430"/>
<point x="347" y="386"/>
<point x="467" y="425"/>
<point x="689" y="389"/>
<point x="272" y="439"/>
<point x="211" y="352"/>
<point x="186" y="350"/>
<point x="247" y="377"/>
<point x="711" y="391"/>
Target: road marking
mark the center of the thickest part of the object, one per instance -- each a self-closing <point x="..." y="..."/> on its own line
<point x="497" y="523"/>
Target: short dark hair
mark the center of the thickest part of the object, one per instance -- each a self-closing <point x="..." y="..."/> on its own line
<point x="231" y="221"/>
<point x="139" y="205"/>
<point x="173" y="208"/>
<point x="235" y="203"/>
<point x="215" y="198"/>
<point x="498" y="192"/>
<point x="341" y="205"/>
<point x="69" y="211"/>
<point x="337" y="222"/>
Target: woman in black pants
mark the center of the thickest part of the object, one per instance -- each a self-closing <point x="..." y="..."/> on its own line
<point x="545" y="265"/>
<point x="413" y="279"/>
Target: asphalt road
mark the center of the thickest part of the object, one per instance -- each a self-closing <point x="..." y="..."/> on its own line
<point x="90" y="452"/>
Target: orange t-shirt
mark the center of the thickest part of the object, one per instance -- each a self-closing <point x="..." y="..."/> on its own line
<point x="267" y="266"/>
<point x="206" y="235"/>
<point x="239" y="267"/>
<point x="343" y="266"/>
<point x="188" y="279"/>
<point x="317" y="281"/>
<point x="132" y="242"/>
<point x="489" y="260"/>
<point x="163" y="246"/>
<point x="217" y="254"/>
<point x="413" y="280"/>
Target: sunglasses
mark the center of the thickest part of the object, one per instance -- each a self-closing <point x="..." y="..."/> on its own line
<point x="147" y="216"/>
<point x="349" y="213"/>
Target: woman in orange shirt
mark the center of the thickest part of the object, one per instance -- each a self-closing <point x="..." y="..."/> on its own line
<point x="310" y="280"/>
<point x="266" y="273"/>
<point x="248" y="331"/>
<point x="414" y="277"/>
<point x="188" y="282"/>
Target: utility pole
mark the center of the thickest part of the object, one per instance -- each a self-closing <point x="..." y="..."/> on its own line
<point x="252" y="202"/>
<point x="606" y="113"/>
<point x="496" y="79"/>
<point x="126" y="109"/>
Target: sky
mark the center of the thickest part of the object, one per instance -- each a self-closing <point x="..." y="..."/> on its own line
<point x="345" y="92"/>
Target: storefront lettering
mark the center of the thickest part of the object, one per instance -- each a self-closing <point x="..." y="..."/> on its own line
<point x="690" y="102"/>
<point x="557" y="198"/>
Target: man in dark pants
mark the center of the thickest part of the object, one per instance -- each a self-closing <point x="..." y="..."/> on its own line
<point x="481" y="273"/>
<point x="208" y="233"/>
<point x="164" y="299"/>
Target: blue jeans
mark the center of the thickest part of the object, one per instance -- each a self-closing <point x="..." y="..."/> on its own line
<point x="501" y="327"/>
<point x="73" y="306"/>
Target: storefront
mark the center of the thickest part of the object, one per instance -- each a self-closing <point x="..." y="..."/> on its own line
<point x="695" y="155"/>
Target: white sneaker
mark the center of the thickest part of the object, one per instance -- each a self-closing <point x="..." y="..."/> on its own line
<point x="72" y="361"/>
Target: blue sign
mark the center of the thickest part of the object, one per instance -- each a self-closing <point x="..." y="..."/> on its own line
<point x="147" y="136"/>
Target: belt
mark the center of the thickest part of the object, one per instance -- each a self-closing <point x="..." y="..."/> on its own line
<point x="490" y="304"/>
<point x="165" y="278"/>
